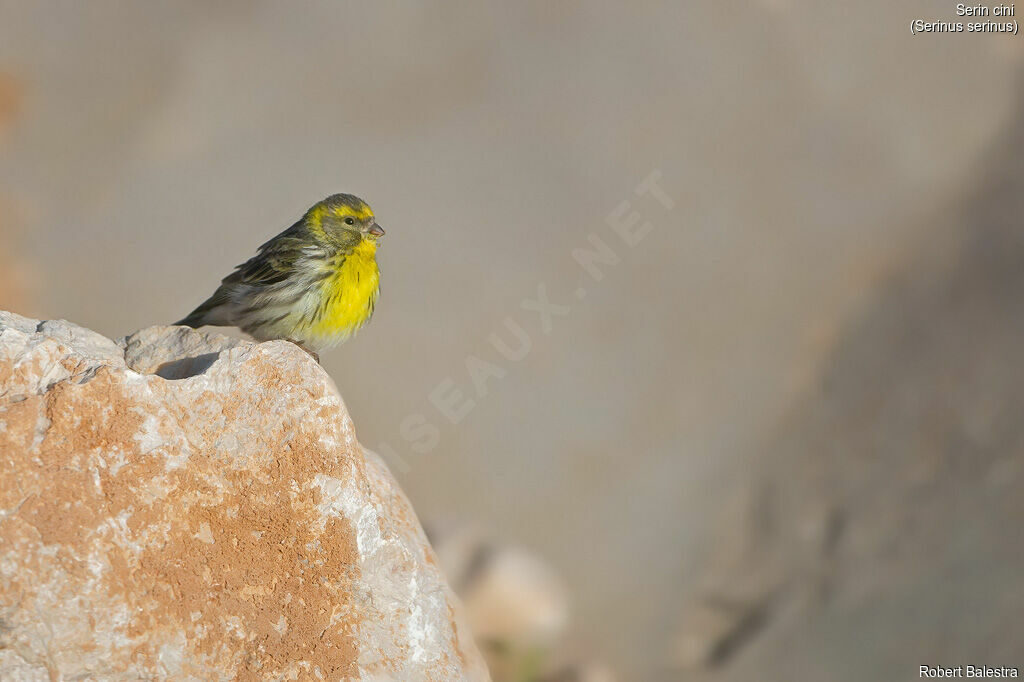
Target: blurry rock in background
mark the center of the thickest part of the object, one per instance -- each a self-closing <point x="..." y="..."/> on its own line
<point x="10" y="99"/>
<point x="516" y="605"/>
<point x="13" y="272"/>
<point x="883" y="519"/>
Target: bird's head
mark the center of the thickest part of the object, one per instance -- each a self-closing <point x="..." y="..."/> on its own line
<point x="344" y="218"/>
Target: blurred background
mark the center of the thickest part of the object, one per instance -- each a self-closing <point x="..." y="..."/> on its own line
<point x="781" y="437"/>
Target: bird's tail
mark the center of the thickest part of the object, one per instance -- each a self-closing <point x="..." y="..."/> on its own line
<point x="211" y="311"/>
<point x="193" y="319"/>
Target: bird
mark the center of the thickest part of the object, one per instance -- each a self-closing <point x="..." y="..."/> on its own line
<point x="315" y="284"/>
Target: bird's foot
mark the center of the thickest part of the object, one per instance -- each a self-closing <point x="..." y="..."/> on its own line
<point x="312" y="353"/>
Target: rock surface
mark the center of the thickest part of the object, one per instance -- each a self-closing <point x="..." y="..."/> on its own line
<point x="184" y="505"/>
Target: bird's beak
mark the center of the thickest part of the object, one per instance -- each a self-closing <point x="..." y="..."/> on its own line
<point x="376" y="230"/>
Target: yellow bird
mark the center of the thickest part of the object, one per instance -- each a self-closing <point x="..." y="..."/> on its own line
<point x="315" y="284"/>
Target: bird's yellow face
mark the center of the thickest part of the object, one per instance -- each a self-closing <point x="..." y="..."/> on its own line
<point x="345" y="218"/>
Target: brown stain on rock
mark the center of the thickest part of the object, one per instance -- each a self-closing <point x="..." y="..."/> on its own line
<point x="264" y="568"/>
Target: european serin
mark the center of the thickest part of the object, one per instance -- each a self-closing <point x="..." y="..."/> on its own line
<point x="315" y="284"/>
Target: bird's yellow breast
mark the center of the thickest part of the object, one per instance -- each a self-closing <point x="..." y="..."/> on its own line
<point x="349" y="293"/>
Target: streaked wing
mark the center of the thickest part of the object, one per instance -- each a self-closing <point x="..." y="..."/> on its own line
<point x="275" y="261"/>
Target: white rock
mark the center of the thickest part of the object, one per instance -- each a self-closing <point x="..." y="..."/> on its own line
<point x="184" y="505"/>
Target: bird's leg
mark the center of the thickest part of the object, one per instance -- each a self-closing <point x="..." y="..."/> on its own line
<point x="312" y="354"/>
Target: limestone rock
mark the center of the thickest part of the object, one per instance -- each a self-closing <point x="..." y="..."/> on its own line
<point x="180" y="505"/>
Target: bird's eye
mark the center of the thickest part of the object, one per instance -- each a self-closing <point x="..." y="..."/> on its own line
<point x="350" y="221"/>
